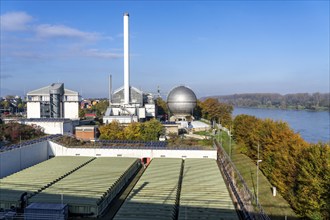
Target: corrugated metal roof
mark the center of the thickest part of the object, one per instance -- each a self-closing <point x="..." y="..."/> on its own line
<point x="41" y="91"/>
<point x="204" y="194"/>
<point x="46" y="90"/>
<point x="155" y="194"/>
<point x="70" y="92"/>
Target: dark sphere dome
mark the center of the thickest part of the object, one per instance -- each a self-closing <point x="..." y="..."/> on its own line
<point x="181" y="100"/>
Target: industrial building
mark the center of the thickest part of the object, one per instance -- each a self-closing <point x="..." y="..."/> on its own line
<point x="46" y="180"/>
<point x="53" y="101"/>
<point x="128" y="104"/>
<point x="86" y="132"/>
<point x="53" y="108"/>
<point x="181" y="102"/>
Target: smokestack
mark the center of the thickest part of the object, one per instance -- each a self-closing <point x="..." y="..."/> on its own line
<point x="110" y="90"/>
<point x="126" y="59"/>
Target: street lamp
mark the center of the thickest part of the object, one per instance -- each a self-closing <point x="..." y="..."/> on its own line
<point x="258" y="161"/>
<point x="230" y="142"/>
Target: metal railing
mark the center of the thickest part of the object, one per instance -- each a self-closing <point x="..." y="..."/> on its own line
<point x="247" y="203"/>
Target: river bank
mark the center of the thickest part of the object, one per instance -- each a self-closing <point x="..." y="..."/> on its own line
<point x="313" y="126"/>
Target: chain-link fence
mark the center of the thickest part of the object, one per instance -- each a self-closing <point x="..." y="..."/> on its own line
<point x="245" y="201"/>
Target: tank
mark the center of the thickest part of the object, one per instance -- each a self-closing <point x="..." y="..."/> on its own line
<point x="181" y="101"/>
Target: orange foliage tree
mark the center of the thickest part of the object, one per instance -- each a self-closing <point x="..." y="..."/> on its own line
<point x="300" y="170"/>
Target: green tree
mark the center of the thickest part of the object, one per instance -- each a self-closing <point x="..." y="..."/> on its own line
<point x="198" y="110"/>
<point x="100" y="107"/>
<point x="82" y="113"/>
<point x="5" y="104"/>
<point x="162" y="108"/>
<point x="152" y="130"/>
<point x="20" y="106"/>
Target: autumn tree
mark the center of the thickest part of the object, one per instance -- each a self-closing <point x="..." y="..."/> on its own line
<point x="14" y="132"/>
<point x="213" y="110"/>
<point x="299" y="170"/>
<point x="313" y="182"/>
<point x="245" y="130"/>
<point x="133" y="131"/>
<point x="112" y="131"/>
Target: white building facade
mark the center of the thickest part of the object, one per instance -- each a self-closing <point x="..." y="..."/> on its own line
<point x="53" y="101"/>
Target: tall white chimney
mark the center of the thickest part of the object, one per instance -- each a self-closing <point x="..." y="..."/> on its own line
<point x="126" y="59"/>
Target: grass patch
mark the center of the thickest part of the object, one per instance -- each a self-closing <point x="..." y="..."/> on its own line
<point x="203" y="133"/>
<point x="275" y="207"/>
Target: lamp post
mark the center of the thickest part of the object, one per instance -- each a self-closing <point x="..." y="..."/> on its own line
<point x="20" y="152"/>
<point x="258" y="161"/>
<point x="229" y="142"/>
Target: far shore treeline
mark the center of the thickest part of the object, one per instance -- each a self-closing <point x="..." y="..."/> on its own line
<point x="301" y="101"/>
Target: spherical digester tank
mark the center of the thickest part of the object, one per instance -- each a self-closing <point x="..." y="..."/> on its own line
<point x="181" y="101"/>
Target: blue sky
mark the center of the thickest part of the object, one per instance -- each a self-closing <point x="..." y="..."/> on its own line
<point x="214" y="47"/>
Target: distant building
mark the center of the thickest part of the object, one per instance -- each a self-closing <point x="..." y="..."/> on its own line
<point x="129" y="104"/>
<point x="86" y="132"/>
<point x="141" y="107"/>
<point x="53" y="101"/>
<point x="86" y="104"/>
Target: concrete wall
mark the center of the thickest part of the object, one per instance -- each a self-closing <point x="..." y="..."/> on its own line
<point x="49" y="126"/>
<point x="53" y="127"/>
<point x="15" y="160"/>
<point x="71" y="110"/>
<point x="33" y="110"/>
<point x="68" y="127"/>
<point x="58" y="150"/>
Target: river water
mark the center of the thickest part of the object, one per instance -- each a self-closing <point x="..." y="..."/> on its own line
<point x="313" y="126"/>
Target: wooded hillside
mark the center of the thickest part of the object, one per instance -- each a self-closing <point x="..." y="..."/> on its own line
<point x="315" y="101"/>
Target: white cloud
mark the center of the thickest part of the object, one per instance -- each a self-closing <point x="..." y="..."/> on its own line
<point x="15" y="21"/>
<point x="101" y="54"/>
<point x="21" y="21"/>
<point x="47" y="30"/>
<point x="39" y="44"/>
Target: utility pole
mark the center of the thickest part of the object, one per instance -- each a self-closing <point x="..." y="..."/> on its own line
<point x="258" y="161"/>
<point x="230" y="142"/>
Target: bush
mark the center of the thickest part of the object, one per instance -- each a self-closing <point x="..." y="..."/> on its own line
<point x="15" y="132"/>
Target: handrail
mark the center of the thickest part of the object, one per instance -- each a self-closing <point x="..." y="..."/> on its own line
<point x="251" y="208"/>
